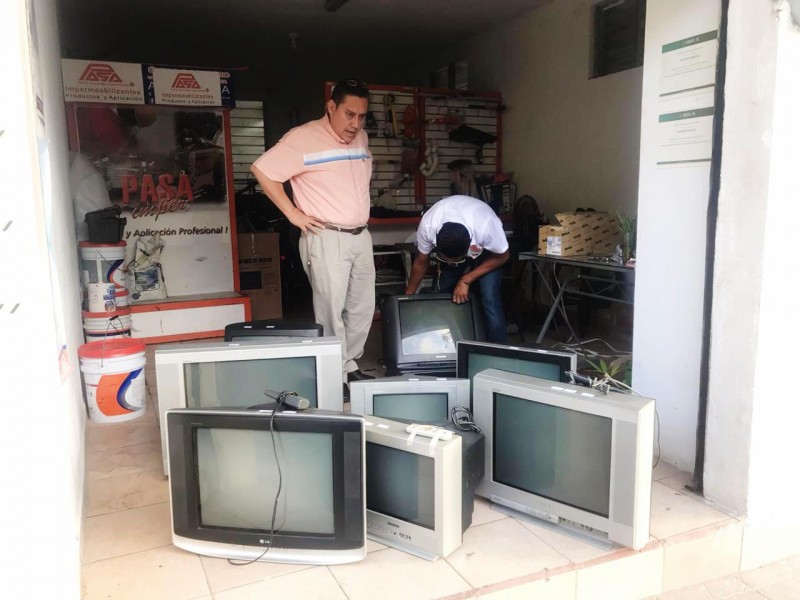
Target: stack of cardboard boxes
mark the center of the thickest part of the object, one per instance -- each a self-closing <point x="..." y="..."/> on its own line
<point x="580" y="234"/>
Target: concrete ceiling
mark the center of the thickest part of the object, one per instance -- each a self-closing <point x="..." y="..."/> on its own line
<point x="237" y="32"/>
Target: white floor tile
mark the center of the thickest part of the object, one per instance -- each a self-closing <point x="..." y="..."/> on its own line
<point x="397" y="575"/>
<point x="673" y="512"/>
<point x="113" y="494"/>
<point x="316" y="583"/>
<point x="120" y="533"/>
<point x="165" y="572"/>
<point x="222" y="575"/>
<point x="502" y="550"/>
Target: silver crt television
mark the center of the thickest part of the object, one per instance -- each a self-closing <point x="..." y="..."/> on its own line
<point x="414" y="498"/>
<point x="567" y="457"/>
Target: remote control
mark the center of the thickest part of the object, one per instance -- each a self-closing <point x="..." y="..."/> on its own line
<point x="429" y="431"/>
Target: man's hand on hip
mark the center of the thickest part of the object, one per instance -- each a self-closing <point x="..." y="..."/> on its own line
<point x="305" y="222"/>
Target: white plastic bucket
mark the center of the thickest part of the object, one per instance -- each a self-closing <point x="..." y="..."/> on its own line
<point x="103" y="325"/>
<point x="102" y="297"/>
<point x="122" y="297"/>
<point x="113" y="375"/>
<point x="103" y="263"/>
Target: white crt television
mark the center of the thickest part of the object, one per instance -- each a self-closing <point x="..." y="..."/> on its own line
<point x="570" y="458"/>
<point x="247" y="486"/>
<point x="237" y="375"/>
<point x="414" y="498"/>
<point x="416" y="398"/>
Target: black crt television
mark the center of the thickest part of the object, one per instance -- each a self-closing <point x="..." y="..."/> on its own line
<point x="420" y="332"/>
<point x="474" y="357"/>
<point x="269" y="329"/>
<point x="227" y="466"/>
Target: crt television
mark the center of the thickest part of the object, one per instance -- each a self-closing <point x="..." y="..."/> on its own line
<point x="270" y="329"/>
<point x="567" y="457"/>
<point x="474" y="357"/>
<point x="245" y="374"/>
<point x="416" y="398"/>
<point x="420" y="332"/>
<point x="413" y="492"/>
<point x="228" y="466"/>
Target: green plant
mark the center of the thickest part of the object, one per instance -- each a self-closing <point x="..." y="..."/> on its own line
<point x="627" y="227"/>
<point x="618" y="368"/>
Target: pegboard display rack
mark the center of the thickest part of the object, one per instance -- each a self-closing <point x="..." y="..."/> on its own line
<point x="404" y="122"/>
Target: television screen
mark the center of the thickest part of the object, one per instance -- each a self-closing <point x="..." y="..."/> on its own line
<point x="401" y="485"/>
<point x="242" y="383"/>
<point x="568" y="456"/>
<point x="435" y="326"/>
<point x="474" y="357"/>
<point x="237" y="475"/>
<point x="480" y="362"/>
<point x="414" y="398"/>
<point x="230" y="469"/>
<point x="553" y="452"/>
<point x="418" y="407"/>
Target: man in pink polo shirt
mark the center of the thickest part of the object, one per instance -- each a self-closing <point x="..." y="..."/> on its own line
<point x="329" y="166"/>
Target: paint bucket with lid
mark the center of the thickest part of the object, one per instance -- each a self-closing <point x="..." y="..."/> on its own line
<point x="101" y="297"/>
<point x="103" y="325"/>
<point x="103" y="263"/>
<point x="113" y="375"/>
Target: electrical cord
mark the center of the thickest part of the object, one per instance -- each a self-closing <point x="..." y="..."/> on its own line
<point x="281" y="402"/>
<point x="462" y="419"/>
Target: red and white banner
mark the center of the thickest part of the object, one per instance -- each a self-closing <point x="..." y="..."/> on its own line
<point x="102" y="81"/>
<point x="185" y="87"/>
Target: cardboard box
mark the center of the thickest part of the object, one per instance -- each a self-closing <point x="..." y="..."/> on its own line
<point x="580" y="234"/>
<point x="260" y="273"/>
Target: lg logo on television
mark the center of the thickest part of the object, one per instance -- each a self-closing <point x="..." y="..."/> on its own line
<point x="100" y="73"/>
<point x="185" y="81"/>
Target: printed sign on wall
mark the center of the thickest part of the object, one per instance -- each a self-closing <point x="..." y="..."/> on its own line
<point x="165" y="168"/>
<point x="101" y="81"/>
<point x="184" y="87"/>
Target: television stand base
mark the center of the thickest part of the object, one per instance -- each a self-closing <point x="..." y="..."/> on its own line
<point x="598" y="539"/>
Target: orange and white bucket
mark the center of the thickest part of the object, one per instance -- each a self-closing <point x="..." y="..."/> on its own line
<point x="113" y="375"/>
<point x="103" y="263"/>
<point x="122" y="298"/>
<point x="107" y="325"/>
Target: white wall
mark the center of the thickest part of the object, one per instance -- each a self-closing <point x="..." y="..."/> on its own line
<point x="752" y="438"/>
<point x="670" y="261"/>
<point x="43" y="412"/>
<point x="571" y="141"/>
<point x="749" y="97"/>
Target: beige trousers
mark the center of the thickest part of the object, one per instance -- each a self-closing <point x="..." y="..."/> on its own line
<point x="341" y="270"/>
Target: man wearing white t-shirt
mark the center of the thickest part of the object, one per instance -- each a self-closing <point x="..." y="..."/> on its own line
<point x="471" y="247"/>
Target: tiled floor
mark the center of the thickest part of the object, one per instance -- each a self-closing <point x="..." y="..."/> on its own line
<point x="127" y="550"/>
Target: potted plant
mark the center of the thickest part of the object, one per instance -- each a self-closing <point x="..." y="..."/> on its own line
<point x="627" y="227"/>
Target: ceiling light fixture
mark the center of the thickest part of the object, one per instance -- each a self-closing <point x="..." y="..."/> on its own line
<point x="333" y="5"/>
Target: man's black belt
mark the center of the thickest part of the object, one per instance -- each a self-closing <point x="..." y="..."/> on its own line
<point x="353" y="230"/>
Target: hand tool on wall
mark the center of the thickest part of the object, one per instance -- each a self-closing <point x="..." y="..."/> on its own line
<point x="390" y="115"/>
